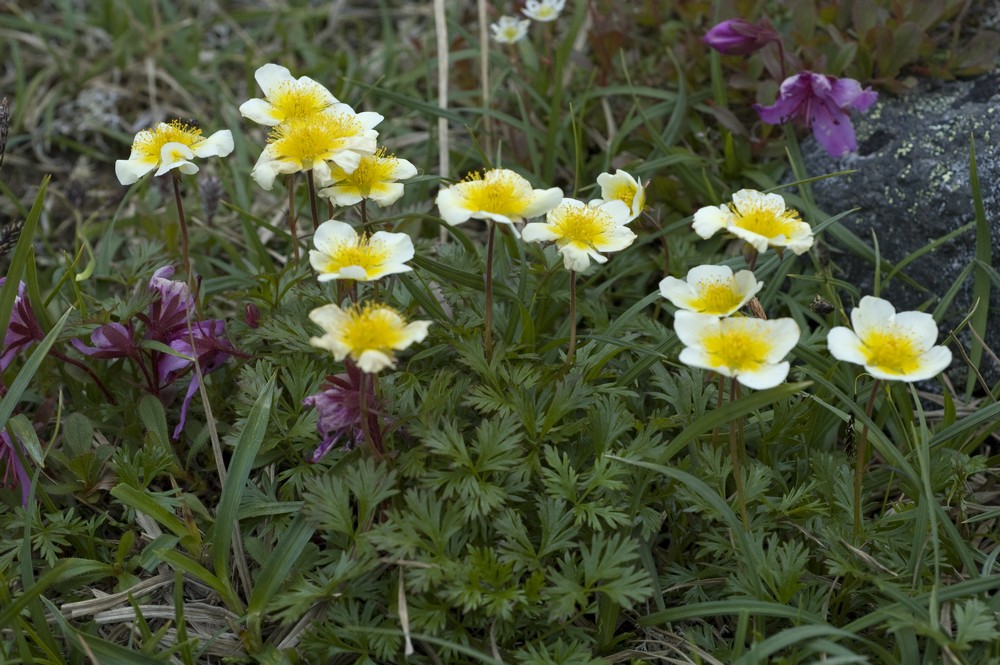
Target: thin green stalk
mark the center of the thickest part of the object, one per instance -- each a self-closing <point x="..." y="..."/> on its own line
<point x="734" y="451"/>
<point x="860" y="461"/>
<point x="313" y="209"/>
<point x="184" y="229"/>
<point x="488" y="315"/>
<point x="572" y="318"/>
<point x="291" y="217"/>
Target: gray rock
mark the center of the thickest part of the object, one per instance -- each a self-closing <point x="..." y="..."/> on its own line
<point x="912" y="187"/>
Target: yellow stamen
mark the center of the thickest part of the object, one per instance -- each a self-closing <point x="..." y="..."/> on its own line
<point x="149" y="144"/>
<point x="313" y="137"/>
<point x="891" y="351"/>
<point x="371" y="171"/>
<point x="585" y="227"/>
<point x="294" y="101"/>
<point x="372" y="328"/>
<point x="738" y="347"/>
<point x="765" y="222"/>
<point x="716" y="297"/>
<point x="501" y="193"/>
<point x="623" y="192"/>
<point x="366" y="253"/>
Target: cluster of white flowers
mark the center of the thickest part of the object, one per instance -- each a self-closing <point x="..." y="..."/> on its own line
<point x="511" y="29"/>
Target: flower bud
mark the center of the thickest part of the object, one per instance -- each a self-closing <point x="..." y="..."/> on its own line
<point x="739" y="37"/>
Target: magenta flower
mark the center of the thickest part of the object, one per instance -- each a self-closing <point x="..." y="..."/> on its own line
<point x="339" y="409"/>
<point x="112" y="340"/>
<point x="168" y="315"/>
<point x="739" y="37"/>
<point x="820" y="102"/>
<point x="23" y="330"/>
<point x="14" y="473"/>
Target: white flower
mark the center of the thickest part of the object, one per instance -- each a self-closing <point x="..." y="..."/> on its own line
<point x="342" y="254"/>
<point x="623" y="187"/>
<point x="374" y="178"/>
<point x="760" y="219"/>
<point x="711" y="290"/>
<point x="170" y="145"/>
<point x="509" y="29"/>
<point x="751" y="350"/>
<point x="543" y="10"/>
<point x="898" y="346"/>
<point x="337" y="135"/>
<point x="285" y="97"/>
<point x="369" y="334"/>
<point x="581" y="231"/>
<point x="500" y="195"/>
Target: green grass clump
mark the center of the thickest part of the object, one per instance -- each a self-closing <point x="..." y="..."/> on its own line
<point x="490" y="498"/>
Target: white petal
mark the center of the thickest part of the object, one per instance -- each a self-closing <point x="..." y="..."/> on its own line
<point x="370" y="119"/>
<point x="449" y="203"/>
<point x="783" y="335"/>
<point x="619" y="238"/>
<point x="709" y="220"/>
<point x="270" y="76"/>
<point x="844" y="345"/>
<point x="130" y="170"/>
<point x="404" y="170"/>
<point x="574" y="258"/>
<point x="353" y="272"/>
<point x="767" y="376"/>
<point x="871" y="314"/>
<point x="259" y="111"/>
<point x="692" y="327"/>
<point x="218" y="144"/>
<point x="696" y="357"/>
<point x="414" y="332"/>
<point x="935" y="361"/>
<point x="345" y="159"/>
<point x="747" y="284"/>
<point x="542" y="201"/>
<point x="329" y="317"/>
<point x="677" y="291"/>
<point x="755" y="240"/>
<point x="538" y="232"/>
<point x="386" y="193"/>
<point x="400" y="245"/>
<point x="920" y="326"/>
<point x="708" y="273"/>
<point x="332" y="233"/>
<point x="373" y="361"/>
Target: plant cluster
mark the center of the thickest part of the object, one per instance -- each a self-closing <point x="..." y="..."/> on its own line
<point x="447" y="415"/>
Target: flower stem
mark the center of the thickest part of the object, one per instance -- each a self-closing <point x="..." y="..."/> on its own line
<point x="183" y="222"/>
<point x="735" y="453"/>
<point x="488" y="316"/>
<point x="367" y="417"/>
<point x="860" y="461"/>
<point x="364" y="214"/>
<point x="291" y="217"/>
<point x="313" y="209"/>
<point x="572" y="318"/>
<point x="59" y="355"/>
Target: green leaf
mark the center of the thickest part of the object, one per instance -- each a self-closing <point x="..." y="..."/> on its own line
<point x="19" y="261"/>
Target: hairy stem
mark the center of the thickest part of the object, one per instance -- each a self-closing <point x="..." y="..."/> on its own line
<point x="183" y="221"/>
<point x="861" y="461"/>
<point x="291" y="217"/>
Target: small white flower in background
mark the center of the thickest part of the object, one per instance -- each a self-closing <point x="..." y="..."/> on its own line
<point x="285" y="97"/>
<point x="543" y="10"/>
<point x="711" y="290"/>
<point x="623" y="187"/>
<point x="337" y="135"/>
<point x="168" y="146"/>
<point x="897" y="346"/>
<point x="582" y="231"/>
<point x="500" y="195"/>
<point x="751" y="350"/>
<point x="343" y="254"/>
<point x="374" y="178"/>
<point x="509" y="29"/>
<point x="760" y="219"/>
<point x="369" y="334"/>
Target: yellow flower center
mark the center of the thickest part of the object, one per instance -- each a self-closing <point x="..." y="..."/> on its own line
<point x="510" y="32"/>
<point x="716" y="297"/>
<point x="501" y="192"/>
<point x="766" y="223"/>
<point x="624" y="192"/>
<point x="891" y="351"/>
<point x="313" y="137"/>
<point x="738" y="346"/>
<point x="371" y="171"/>
<point x="292" y="100"/>
<point x="546" y="11"/>
<point x="149" y="143"/>
<point x="585" y="227"/>
<point x="366" y="253"/>
<point x="372" y="328"/>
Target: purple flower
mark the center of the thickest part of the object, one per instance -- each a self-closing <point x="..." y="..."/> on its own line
<point x="820" y="102"/>
<point x="339" y="408"/>
<point x="112" y="340"/>
<point x="739" y="37"/>
<point x="12" y="466"/>
<point x="207" y="344"/>
<point x="23" y="329"/>
<point x="168" y="315"/>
